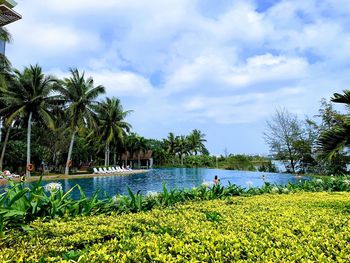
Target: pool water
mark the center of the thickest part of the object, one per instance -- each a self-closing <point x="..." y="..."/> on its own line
<point x="180" y="178"/>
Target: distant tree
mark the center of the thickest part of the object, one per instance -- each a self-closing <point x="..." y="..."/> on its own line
<point x="111" y="126"/>
<point x="196" y="141"/>
<point x="182" y="147"/>
<point x="171" y="146"/>
<point x="283" y="133"/>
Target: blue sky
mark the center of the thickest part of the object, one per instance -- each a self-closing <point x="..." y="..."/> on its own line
<point x="221" y="66"/>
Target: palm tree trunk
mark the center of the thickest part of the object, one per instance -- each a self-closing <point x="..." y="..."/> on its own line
<point x="114" y="158"/>
<point x="28" y="142"/>
<point x="138" y="160"/>
<point x="108" y="154"/>
<point x="4" y="146"/>
<point x="0" y="128"/>
<point x="66" y="172"/>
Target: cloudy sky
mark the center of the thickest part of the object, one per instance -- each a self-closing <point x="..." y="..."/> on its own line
<point x="221" y="66"/>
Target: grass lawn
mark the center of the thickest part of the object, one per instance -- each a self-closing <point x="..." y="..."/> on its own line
<point x="303" y="227"/>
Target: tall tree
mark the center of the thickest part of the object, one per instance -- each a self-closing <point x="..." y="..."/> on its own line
<point x="282" y="134"/>
<point x="80" y="95"/>
<point x="182" y="147"/>
<point x="170" y="144"/>
<point x="4" y="62"/>
<point x="111" y="126"/>
<point x="141" y="148"/>
<point x="196" y="141"/>
<point x="30" y="97"/>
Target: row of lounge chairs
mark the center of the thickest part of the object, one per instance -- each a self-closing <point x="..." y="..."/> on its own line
<point x="8" y="175"/>
<point x="109" y="170"/>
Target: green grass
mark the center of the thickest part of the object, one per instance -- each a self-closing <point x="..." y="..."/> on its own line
<point x="297" y="227"/>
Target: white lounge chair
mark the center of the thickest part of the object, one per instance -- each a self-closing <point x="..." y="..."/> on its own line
<point x="110" y="170"/>
<point x="101" y="171"/>
<point x="105" y="169"/>
<point x="96" y="171"/>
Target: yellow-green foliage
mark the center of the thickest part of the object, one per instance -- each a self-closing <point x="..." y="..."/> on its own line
<point x="303" y="227"/>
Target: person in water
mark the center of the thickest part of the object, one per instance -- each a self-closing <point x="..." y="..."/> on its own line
<point x="216" y="180"/>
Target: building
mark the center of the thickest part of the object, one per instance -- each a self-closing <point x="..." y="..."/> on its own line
<point x="7" y="16"/>
<point x="140" y="160"/>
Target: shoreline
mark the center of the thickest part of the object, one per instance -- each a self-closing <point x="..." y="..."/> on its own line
<point x="76" y="176"/>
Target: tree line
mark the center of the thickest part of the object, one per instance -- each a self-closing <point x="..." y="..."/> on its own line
<point x="63" y="121"/>
<point x="316" y="145"/>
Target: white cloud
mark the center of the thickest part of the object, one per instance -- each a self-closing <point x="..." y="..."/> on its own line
<point x="122" y="83"/>
<point x="176" y="65"/>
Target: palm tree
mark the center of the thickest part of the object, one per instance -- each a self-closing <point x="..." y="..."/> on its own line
<point x="196" y="141"/>
<point x="29" y="97"/>
<point x="182" y="147"/>
<point x="141" y="147"/>
<point x="170" y="144"/>
<point x="5" y="73"/>
<point x="131" y="145"/>
<point x="111" y="126"/>
<point x="337" y="137"/>
<point x="5" y="37"/>
<point x="80" y="95"/>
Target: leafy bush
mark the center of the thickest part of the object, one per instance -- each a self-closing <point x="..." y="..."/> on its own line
<point x="20" y="204"/>
<point x="302" y="227"/>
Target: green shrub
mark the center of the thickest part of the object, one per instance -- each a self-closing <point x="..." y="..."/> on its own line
<point x="299" y="227"/>
<point x="20" y="204"/>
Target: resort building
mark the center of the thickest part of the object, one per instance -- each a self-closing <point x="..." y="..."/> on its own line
<point x="141" y="160"/>
<point x="7" y="16"/>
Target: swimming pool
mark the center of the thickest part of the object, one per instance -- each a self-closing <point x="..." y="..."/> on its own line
<point x="151" y="181"/>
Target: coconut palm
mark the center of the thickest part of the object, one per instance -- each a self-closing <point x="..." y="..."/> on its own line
<point x="196" y="141"/>
<point x="170" y="144"/>
<point x="30" y="98"/>
<point x="337" y="138"/>
<point x="141" y="146"/>
<point x="5" y="75"/>
<point x="80" y="95"/>
<point x="182" y="147"/>
<point x="5" y="36"/>
<point x="111" y="126"/>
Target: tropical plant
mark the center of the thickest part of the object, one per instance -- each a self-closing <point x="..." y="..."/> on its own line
<point x="182" y="147"/>
<point x="29" y="97"/>
<point x="335" y="139"/>
<point x="80" y="94"/>
<point x="111" y="126"/>
<point x="170" y="144"/>
<point x="196" y="141"/>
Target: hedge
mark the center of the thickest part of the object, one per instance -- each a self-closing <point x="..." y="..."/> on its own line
<point x="298" y="227"/>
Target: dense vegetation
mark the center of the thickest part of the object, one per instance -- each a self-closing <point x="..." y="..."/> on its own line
<point x="299" y="227"/>
<point x="45" y="120"/>
<point x="316" y="145"/>
<point x="20" y="204"/>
